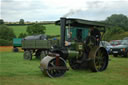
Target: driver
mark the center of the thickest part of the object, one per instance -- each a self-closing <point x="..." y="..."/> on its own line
<point x="96" y="34"/>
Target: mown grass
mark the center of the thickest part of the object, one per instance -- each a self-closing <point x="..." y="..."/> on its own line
<point x="14" y="70"/>
<point x="51" y="29"/>
<point x="19" y="29"/>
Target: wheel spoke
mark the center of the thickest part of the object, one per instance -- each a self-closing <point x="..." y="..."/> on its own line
<point x="27" y="55"/>
<point x="99" y="60"/>
<point x="56" y="72"/>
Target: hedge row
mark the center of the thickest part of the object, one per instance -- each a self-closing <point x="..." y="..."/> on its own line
<point x="5" y="42"/>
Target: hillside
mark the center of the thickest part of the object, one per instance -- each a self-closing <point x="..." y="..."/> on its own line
<point x="51" y="29"/>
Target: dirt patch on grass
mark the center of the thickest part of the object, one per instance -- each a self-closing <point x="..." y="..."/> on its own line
<point x="8" y="48"/>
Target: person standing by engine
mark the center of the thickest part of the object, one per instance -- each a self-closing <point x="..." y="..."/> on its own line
<point x="96" y="34"/>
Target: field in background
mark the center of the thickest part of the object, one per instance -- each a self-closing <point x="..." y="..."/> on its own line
<point x="19" y="29"/>
<point x="14" y="70"/>
<point x="51" y="29"/>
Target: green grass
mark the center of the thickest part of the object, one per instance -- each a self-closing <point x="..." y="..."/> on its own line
<point x="51" y="29"/>
<point x="14" y="70"/>
<point x="19" y="29"/>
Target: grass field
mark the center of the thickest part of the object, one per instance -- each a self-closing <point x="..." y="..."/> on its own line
<point x="14" y="70"/>
<point x="51" y="29"/>
<point x="19" y="29"/>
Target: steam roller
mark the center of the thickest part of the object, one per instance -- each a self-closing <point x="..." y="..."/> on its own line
<point x="81" y="50"/>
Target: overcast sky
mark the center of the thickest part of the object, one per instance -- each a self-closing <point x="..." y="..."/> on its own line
<point x="48" y="10"/>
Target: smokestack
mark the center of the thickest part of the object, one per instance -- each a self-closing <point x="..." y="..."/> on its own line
<point x="62" y="31"/>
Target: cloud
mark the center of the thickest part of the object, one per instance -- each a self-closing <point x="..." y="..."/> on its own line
<point x="39" y="10"/>
<point x="13" y="10"/>
<point x="102" y="9"/>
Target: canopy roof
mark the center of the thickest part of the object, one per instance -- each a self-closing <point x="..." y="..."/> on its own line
<point x="81" y="23"/>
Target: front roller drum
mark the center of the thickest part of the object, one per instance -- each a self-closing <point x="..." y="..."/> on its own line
<point x="99" y="59"/>
<point x="49" y="67"/>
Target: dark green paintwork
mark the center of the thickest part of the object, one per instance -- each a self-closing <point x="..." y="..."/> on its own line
<point x="17" y="42"/>
<point x="73" y="30"/>
<point x="39" y="44"/>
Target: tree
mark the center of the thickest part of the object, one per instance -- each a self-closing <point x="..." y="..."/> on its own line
<point x="35" y="29"/>
<point x="6" y="33"/>
<point x="118" y="20"/>
<point x="21" y="21"/>
<point x="22" y="35"/>
<point x="5" y="42"/>
<point x="112" y="31"/>
<point x="1" y="21"/>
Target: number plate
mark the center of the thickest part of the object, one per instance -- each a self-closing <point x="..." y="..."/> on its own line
<point x="115" y="51"/>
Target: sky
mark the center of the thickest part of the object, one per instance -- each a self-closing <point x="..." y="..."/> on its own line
<point x="51" y="10"/>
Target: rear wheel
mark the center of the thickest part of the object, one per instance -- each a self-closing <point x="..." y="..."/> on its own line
<point x="42" y="54"/>
<point x="38" y="53"/>
<point x="27" y="55"/>
<point x="99" y="61"/>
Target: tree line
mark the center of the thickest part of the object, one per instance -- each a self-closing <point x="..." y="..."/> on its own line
<point x="118" y="23"/>
<point x="7" y="34"/>
<point x="23" y="22"/>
